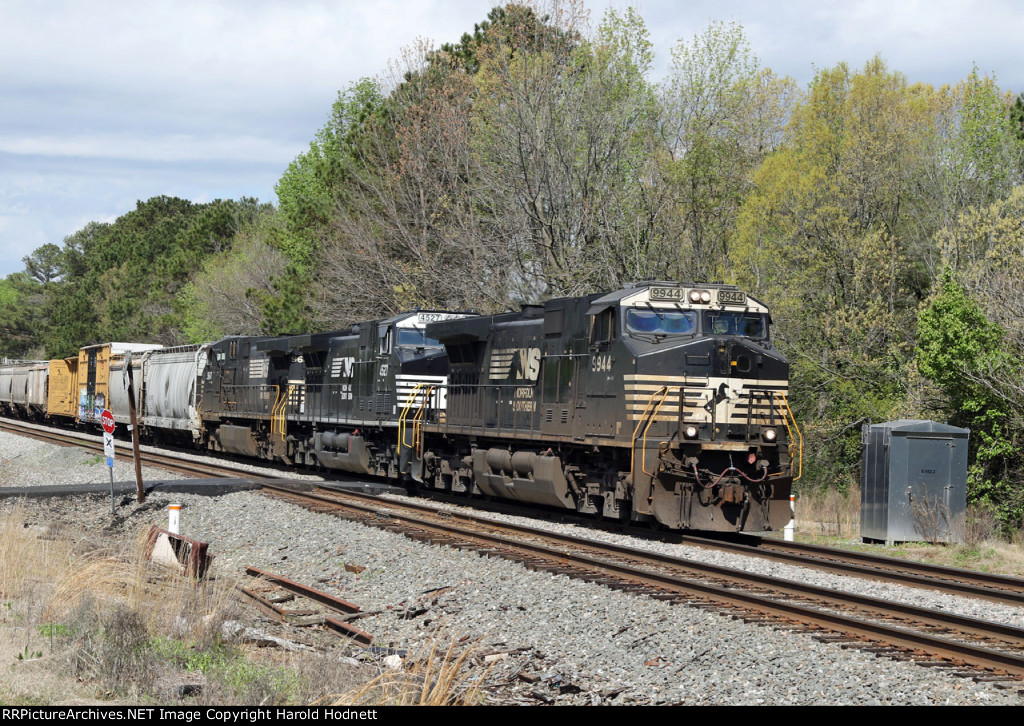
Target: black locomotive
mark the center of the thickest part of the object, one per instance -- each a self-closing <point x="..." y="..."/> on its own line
<point x="662" y="401"/>
<point x="329" y="399"/>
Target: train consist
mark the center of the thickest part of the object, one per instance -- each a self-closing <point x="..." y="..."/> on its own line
<point x="662" y="402"/>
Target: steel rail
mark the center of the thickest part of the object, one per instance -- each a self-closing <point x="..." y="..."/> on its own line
<point x="558" y="558"/>
<point x="996" y="588"/>
<point x="981" y="628"/>
<point x="165" y="461"/>
<point x="1003" y="589"/>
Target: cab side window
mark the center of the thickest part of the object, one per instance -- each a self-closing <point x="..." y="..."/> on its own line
<point x="603" y="327"/>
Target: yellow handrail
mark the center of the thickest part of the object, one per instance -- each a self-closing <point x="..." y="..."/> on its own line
<point x="651" y="420"/>
<point x="799" y="437"/>
<point x="417" y="423"/>
<point x="273" y="409"/>
<point x="281" y="414"/>
<point x="632" y="457"/>
<point x="277" y="412"/>
<point x="409" y="401"/>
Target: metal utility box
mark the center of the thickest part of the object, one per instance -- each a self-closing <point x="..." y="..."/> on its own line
<point x="913" y="482"/>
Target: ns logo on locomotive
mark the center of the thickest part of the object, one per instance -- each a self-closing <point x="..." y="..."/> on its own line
<point x="662" y="402"/>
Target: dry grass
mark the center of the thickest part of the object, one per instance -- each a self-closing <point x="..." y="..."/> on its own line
<point x="829" y="513"/>
<point x="436" y="679"/>
<point x="25" y="558"/>
<point x="833" y="518"/>
<point x="123" y="628"/>
<point x="168" y="602"/>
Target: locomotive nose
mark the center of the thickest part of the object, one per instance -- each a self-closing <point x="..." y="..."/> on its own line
<point x="733" y="358"/>
<point x="723" y="358"/>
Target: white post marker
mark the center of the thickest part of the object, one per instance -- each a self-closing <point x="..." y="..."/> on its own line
<point x="787" y="531"/>
<point x="173" y="518"/>
<point x="107" y="420"/>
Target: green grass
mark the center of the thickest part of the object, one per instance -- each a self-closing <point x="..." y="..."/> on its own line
<point x="230" y="668"/>
<point x="52" y="630"/>
<point x="24" y="702"/>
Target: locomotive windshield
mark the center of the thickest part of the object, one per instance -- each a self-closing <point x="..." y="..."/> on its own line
<point x="413" y="336"/>
<point x="747" y="325"/>
<point x="661" y="322"/>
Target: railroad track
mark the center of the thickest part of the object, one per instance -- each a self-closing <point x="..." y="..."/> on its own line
<point x="996" y="588"/>
<point x="984" y="585"/>
<point x="166" y="460"/>
<point x="1003" y="589"/>
<point x="980" y="649"/>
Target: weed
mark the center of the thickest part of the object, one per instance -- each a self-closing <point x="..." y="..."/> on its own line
<point x="54" y="631"/>
<point x="932" y="518"/>
<point x="247" y="682"/>
<point x="191" y="657"/>
<point x="49" y="630"/>
<point x="979" y="524"/>
<point x="24" y="702"/>
<point x="438" y="679"/>
<point x="29" y="654"/>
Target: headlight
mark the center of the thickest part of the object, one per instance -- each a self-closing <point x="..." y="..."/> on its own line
<point x="705" y="296"/>
<point x="690" y="432"/>
<point x="695" y="296"/>
<point x="769" y="435"/>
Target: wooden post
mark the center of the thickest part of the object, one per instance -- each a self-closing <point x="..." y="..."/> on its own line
<point x="141" y="497"/>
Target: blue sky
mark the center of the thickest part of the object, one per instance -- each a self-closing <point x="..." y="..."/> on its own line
<point x="105" y="102"/>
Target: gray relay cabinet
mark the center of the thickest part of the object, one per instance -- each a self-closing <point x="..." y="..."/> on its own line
<point x="913" y="482"/>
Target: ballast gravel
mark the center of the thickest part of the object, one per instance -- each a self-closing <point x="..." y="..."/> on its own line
<point x="546" y="638"/>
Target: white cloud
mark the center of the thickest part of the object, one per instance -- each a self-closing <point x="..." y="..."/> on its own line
<point x="109" y="101"/>
<point x="169" y="148"/>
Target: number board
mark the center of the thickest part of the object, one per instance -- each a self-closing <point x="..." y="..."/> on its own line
<point x="668" y="293"/>
<point x="732" y="297"/>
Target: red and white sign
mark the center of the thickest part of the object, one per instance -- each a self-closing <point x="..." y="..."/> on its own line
<point x="107" y="419"/>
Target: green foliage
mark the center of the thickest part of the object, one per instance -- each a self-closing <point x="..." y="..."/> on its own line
<point x="225" y="296"/>
<point x="45" y="264"/>
<point x="286" y="309"/>
<point x="962" y="351"/>
<point x="1017" y="117"/>
<point x="562" y="129"/>
<point x="310" y="189"/>
<point x="55" y="630"/>
<point x="27" y="654"/>
<point x="827" y="237"/>
<point x="228" y="667"/>
<point x="21" y="308"/>
<point x="722" y="115"/>
<point x="120" y="280"/>
<point x="510" y="26"/>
